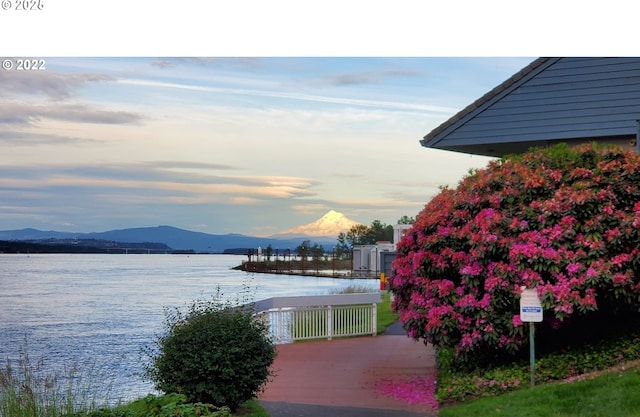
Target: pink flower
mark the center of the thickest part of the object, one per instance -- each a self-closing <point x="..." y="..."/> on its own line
<point x="573" y="268"/>
<point x="619" y="279"/>
<point x="517" y="322"/>
<point x="473" y="270"/>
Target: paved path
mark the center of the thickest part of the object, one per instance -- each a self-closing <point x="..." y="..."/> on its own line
<point x="338" y="378"/>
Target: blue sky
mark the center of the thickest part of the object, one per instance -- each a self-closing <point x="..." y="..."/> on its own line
<point x="113" y="135"/>
<point x="230" y="145"/>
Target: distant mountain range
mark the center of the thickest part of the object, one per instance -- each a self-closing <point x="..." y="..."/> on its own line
<point x="181" y="239"/>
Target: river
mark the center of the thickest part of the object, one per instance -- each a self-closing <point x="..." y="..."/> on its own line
<point x="99" y="312"/>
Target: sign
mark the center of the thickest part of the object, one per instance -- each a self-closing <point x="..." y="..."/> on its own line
<point x="530" y="306"/>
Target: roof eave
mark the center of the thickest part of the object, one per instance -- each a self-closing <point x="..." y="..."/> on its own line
<point x="431" y="140"/>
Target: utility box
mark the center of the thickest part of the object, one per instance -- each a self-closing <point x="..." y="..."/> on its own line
<point x="367" y="259"/>
<point x="362" y="260"/>
<point x="386" y="258"/>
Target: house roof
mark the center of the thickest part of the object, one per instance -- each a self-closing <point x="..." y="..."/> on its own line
<point x="545" y="103"/>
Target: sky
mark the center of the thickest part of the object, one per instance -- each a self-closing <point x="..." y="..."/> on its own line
<point x="227" y="139"/>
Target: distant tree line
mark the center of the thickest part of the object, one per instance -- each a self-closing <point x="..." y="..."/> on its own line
<point x="78" y="246"/>
<point x="361" y="234"/>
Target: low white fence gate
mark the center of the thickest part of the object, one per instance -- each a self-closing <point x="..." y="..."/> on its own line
<point x="319" y="316"/>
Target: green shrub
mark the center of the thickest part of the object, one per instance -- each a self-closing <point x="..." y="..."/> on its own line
<point x="214" y="353"/>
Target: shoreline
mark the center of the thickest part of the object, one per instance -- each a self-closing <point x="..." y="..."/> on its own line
<point x="324" y="269"/>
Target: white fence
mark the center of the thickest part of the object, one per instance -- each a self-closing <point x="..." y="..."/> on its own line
<point x="319" y="317"/>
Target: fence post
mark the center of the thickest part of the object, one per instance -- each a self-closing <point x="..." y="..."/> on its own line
<point x="329" y="322"/>
<point x="374" y="319"/>
<point x="279" y="321"/>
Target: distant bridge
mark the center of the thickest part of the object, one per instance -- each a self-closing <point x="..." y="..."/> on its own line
<point x="138" y="250"/>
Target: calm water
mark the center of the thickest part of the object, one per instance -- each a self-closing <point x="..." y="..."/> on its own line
<point x="99" y="311"/>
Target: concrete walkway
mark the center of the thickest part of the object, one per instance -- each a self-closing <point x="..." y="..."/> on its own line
<point x="339" y="378"/>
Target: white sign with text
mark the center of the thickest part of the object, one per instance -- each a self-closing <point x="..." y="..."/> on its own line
<point x="530" y="306"/>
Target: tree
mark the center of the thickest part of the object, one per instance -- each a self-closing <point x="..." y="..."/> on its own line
<point x="268" y="251"/>
<point x="565" y="221"/>
<point x="303" y="250"/>
<point x="378" y="232"/>
<point x="316" y="253"/>
<point x="342" y="248"/>
<point x="406" y="220"/>
<point x="361" y="234"/>
<point x="358" y="235"/>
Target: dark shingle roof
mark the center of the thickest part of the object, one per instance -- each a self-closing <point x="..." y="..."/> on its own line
<point x="481" y="101"/>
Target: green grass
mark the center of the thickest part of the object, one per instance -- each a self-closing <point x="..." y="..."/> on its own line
<point x="612" y="394"/>
<point x="170" y="405"/>
<point x="252" y="408"/>
<point x="385" y="317"/>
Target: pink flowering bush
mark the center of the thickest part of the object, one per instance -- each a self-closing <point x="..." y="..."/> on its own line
<point x="562" y="220"/>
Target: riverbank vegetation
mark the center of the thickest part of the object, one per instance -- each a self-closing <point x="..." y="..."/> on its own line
<point x="212" y="360"/>
<point x="173" y="405"/>
<point x="28" y="390"/>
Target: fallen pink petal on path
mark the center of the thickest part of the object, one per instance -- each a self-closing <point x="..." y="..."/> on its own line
<point x="414" y="391"/>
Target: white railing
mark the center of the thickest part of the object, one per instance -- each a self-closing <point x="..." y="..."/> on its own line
<point x="319" y="317"/>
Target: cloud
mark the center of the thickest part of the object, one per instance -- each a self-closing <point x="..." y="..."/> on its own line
<point x="27" y="114"/>
<point x="295" y="96"/>
<point x="370" y="77"/>
<point x="56" y="86"/>
<point x="244" y="201"/>
<point x="187" y="165"/>
<point x="163" y="64"/>
<point x="141" y="182"/>
<point x="310" y="209"/>
<point x="240" y="62"/>
<point x="20" y="138"/>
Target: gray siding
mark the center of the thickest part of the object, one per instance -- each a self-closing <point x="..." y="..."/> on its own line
<point x="564" y="98"/>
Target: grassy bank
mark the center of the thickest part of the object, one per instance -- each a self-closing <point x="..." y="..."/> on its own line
<point x="612" y="394"/>
<point x="171" y="405"/>
<point x="27" y="389"/>
<point x="385" y="316"/>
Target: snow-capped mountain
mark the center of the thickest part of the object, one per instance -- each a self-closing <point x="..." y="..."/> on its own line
<point x="331" y="224"/>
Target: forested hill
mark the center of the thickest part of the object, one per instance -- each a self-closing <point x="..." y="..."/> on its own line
<point x="81" y="246"/>
<point x="178" y="239"/>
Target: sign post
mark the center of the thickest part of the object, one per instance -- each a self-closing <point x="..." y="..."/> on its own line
<point x="531" y="312"/>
